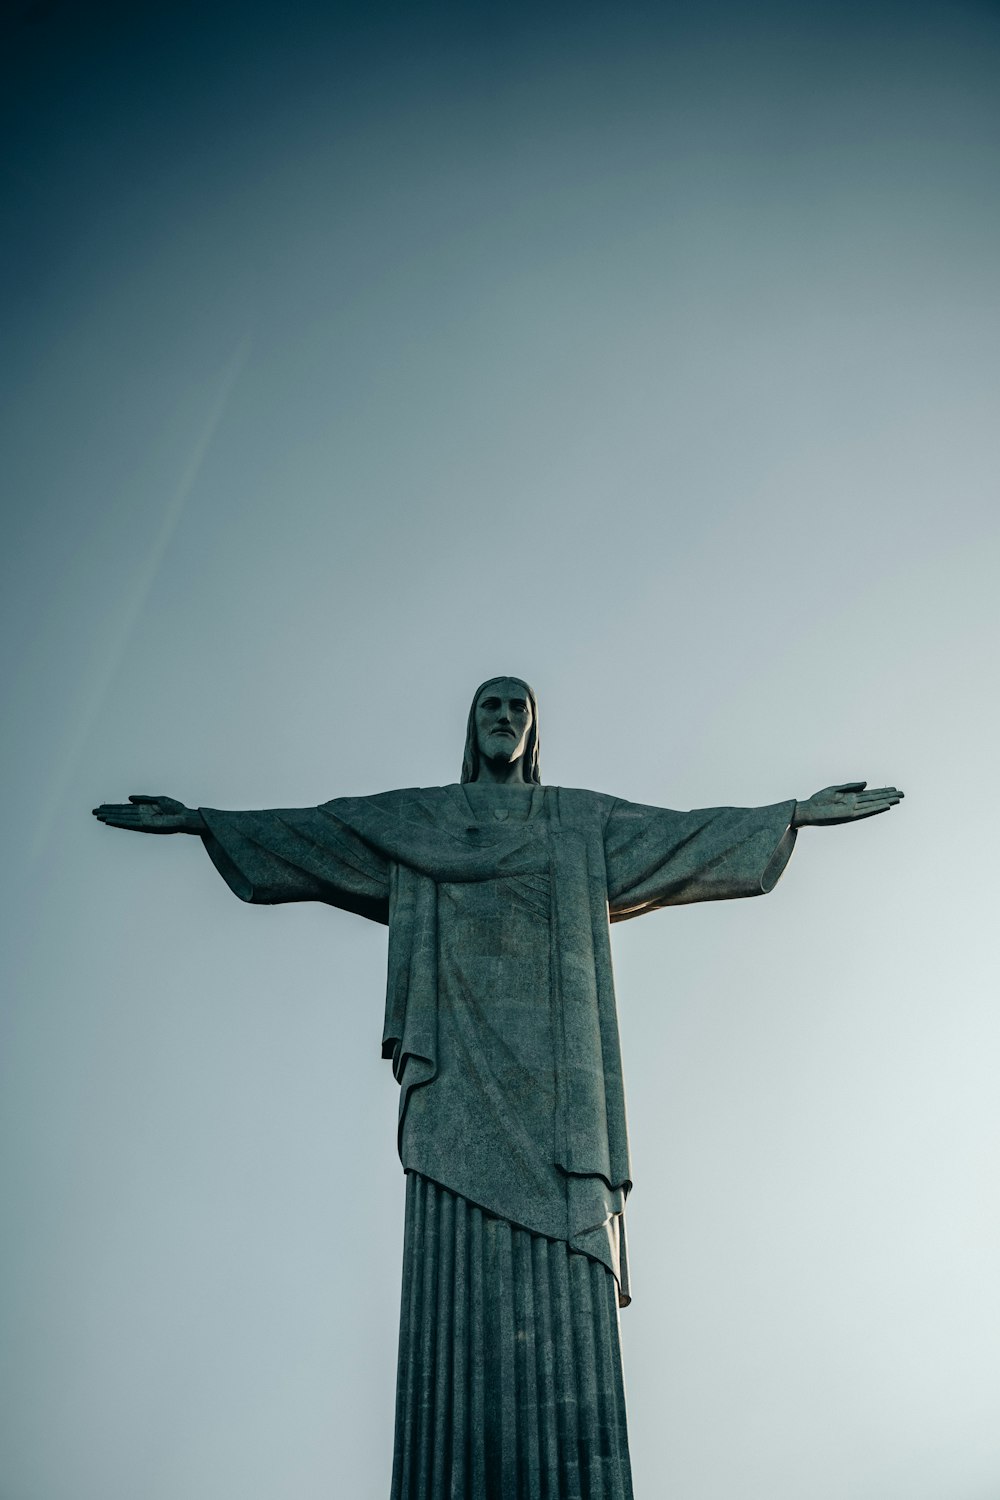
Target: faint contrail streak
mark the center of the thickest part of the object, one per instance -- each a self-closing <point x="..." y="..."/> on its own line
<point x="134" y="602"/>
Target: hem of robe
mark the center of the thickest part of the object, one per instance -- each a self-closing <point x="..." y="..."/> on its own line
<point x="509" y="1379"/>
<point x="605" y="1242"/>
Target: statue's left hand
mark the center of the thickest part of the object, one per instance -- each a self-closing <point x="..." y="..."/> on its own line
<point x="845" y="804"/>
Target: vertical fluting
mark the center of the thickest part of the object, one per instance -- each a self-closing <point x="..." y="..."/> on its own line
<point x="587" y="1377"/>
<point x="545" y="1368"/>
<point x="525" y="1333"/>
<point x="427" y="1344"/>
<point x="567" y="1400"/>
<point x="459" y="1486"/>
<point x="503" y="1393"/>
<point x="509" y="1383"/>
<point x="477" y="1358"/>
<point x="443" y="1429"/>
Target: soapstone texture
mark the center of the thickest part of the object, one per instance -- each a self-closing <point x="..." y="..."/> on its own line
<point x="500" y="1009"/>
<point x="501" y="1027"/>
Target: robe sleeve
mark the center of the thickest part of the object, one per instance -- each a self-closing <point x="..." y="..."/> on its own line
<point x="297" y="854"/>
<point x="657" y="857"/>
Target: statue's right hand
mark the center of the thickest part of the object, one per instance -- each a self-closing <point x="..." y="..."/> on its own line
<point x="150" y="815"/>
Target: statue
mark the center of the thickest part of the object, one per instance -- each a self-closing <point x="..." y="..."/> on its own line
<point x="501" y="1026"/>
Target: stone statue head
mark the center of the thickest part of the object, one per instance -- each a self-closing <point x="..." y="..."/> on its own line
<point x="529" y="758"/>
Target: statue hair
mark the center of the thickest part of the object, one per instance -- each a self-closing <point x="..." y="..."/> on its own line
<point x="529" y="760"/>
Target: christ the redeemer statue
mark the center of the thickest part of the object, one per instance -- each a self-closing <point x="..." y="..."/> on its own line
<point x="501" y="1026"/>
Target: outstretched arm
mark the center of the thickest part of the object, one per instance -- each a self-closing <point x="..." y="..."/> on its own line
<point x="151" y="815"/>
<point x="844" y="804"/>
<point x="273" y="855"/>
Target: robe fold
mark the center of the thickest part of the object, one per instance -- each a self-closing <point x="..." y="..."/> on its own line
<point x="500" y="1016"/>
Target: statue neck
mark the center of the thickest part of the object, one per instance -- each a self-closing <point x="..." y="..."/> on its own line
<point x="501" y="773"/>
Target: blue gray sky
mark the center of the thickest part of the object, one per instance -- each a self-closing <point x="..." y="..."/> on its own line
<point x="351" y="357"/>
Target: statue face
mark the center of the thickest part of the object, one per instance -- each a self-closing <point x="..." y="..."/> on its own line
<point x="503" y="719"/>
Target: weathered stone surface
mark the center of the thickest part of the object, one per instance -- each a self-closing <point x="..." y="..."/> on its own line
<point x="502" y="1032"/>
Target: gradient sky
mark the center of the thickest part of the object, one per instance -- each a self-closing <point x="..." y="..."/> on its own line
<point x="351" y="357"/>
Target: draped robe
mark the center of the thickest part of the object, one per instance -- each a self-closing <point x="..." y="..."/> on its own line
<point x="500" y="1016"/>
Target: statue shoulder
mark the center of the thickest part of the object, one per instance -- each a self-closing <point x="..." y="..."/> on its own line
<point x="578" y="805"/>
<point x="400" y="802"/>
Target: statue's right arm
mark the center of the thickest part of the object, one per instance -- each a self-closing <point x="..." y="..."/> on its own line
<point x="151" y="815"/>
<point x="269" y="856"/>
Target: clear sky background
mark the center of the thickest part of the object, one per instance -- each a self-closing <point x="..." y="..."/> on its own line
<point x="353" y="356"/>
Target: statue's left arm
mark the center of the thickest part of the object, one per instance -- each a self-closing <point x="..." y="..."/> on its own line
<point x="657" y="857"/>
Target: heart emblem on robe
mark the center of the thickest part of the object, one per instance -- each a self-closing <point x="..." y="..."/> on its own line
<point x="500" y="813"/>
